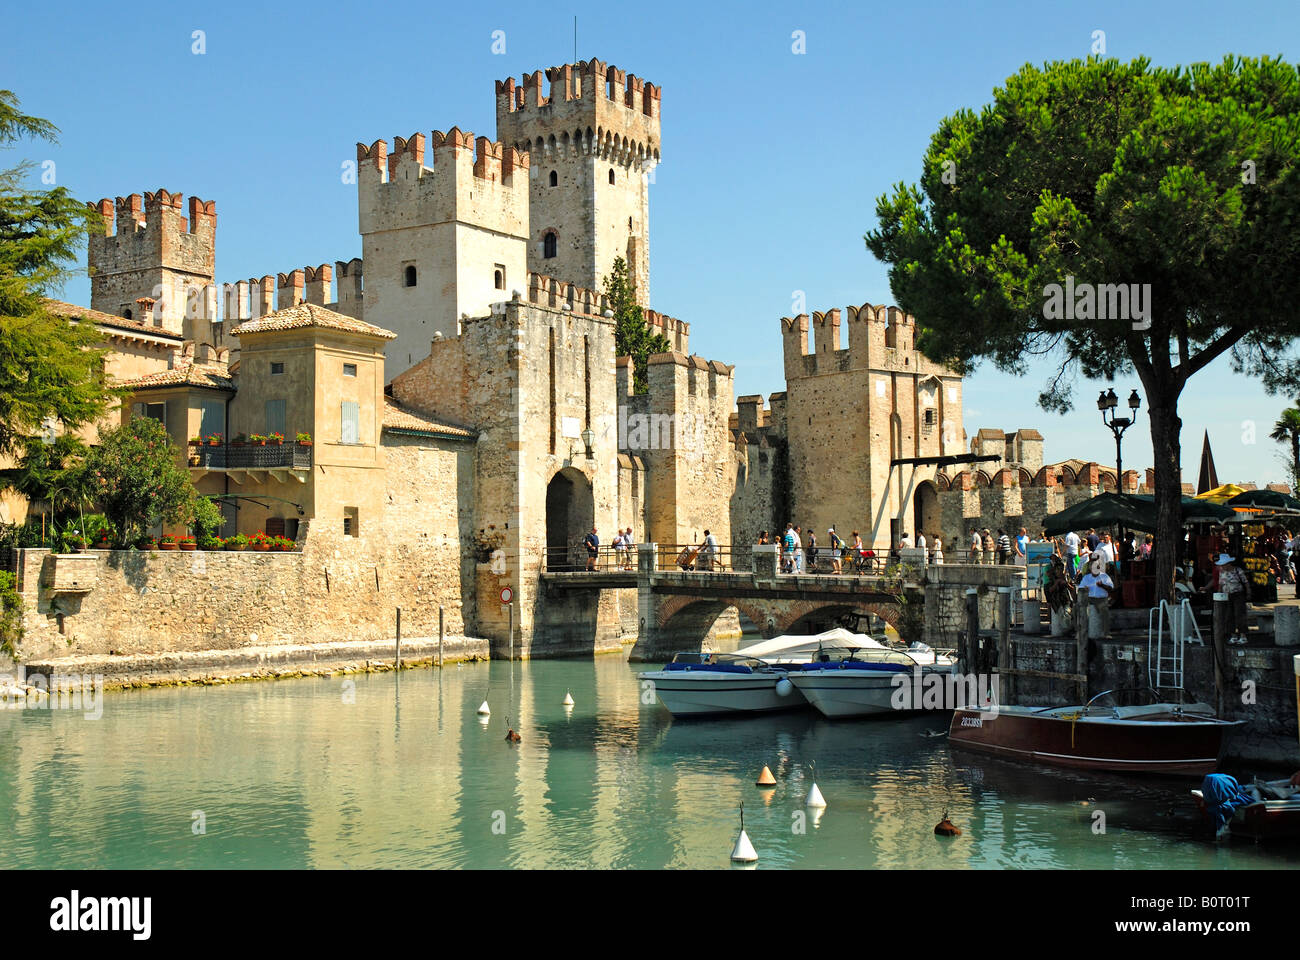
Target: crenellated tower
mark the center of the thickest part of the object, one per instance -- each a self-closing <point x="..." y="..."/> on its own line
<point x="438" y="243"/>
<point x="148" y="257"/>
<point x="592" y="133"/>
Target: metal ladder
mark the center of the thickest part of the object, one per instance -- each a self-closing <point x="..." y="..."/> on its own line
<point x="1165" y="653"/>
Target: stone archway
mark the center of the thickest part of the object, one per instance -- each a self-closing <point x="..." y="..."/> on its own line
<point x="570" y="513"/>
<point x="925" y="511"/>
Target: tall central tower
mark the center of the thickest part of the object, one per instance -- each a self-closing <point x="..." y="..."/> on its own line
<point x="593" y="143"/>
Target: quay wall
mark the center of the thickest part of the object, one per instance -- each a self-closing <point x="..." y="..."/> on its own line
<point x="132" y="603"/>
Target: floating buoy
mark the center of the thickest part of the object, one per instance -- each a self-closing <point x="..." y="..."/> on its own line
<point x="946" y="828"/>
<point x="512" y="737"/>
<point x="743" y="851"/>
<point x="784" y="687"/>
<point x="483" y="710"/>
<point x="815" y="798"/>
<point x="765" y="779"/>
<point x="568" y="699"/>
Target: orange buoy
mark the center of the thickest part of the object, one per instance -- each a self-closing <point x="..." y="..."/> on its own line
<point x="946" y="828"/>
<point x="765" y="779"/>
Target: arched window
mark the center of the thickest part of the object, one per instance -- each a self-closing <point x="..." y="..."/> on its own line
<point x="410" y="276"/>
<point x="611" y="174"/>
<point x="555" y="179"/>
<point x="127" y="313"/>
<point x="499" y="281"/>
<point x="549" y="245"/>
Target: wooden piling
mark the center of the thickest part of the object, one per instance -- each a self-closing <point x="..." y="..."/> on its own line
<point x="440" y="631"/>
<point x="397" y="653"/>
<point x="1222" y="613"/>
<point x="1004" y="644"/>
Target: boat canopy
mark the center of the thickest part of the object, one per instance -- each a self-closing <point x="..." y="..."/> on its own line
<point x="784" y="646"/>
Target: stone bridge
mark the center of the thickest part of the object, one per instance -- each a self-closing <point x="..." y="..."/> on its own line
<point x="676" y="610"/>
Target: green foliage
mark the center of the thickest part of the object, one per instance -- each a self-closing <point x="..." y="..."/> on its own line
<point x="1184" y="179"/>
<point x="207" y="517"/>
<point x="50" y="473"/>
<point x="50" y="368"/>
<point x="1287" y="430"/>
<point x="632" y="338"/>
<point x="11" y="614"/>
<point x="136" y="481"/>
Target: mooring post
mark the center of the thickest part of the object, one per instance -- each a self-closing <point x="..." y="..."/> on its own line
<point x="971" y="653"/>
<point x="397" y="653"/>
<point x="440" y="612"/>
<point x="1081" y="628"/>
<point x="1004" y="643"/>
<point x="1221" y="614"/>
<point x="511" y="606"/>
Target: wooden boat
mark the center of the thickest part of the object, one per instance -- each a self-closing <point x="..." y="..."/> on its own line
<point x="1160" y="738"/>
<point x="1274" y="816"/>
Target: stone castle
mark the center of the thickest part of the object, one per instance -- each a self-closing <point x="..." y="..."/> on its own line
<point x="468" y="418"/>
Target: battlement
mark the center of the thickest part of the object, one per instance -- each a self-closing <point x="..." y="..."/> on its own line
<point x="591" y="107"/>
<point x="862" y="337"/>
<point x="550" y="292"/>
<point x="155" y="213"/>
<point x="472" y="180"/>
<point x="679" y="382"/>
<point x="590" y="81"/>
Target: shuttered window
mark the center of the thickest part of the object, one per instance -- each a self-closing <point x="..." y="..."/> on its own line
<point x="350" y="428"/>
<point x="275" y="416"/>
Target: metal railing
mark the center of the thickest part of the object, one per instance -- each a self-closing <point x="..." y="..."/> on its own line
<point x="693" y="557"/>
<point x="728" y="558"/>
<point x="575" y="558"/>
<point x="252" y="456"/>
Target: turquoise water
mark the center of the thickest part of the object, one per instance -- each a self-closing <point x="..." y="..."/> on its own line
<point x="290" y="774"/>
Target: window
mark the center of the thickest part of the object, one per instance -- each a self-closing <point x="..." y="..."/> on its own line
<point x="291" y="528"/>
<point x="409" y="274"/>
<point x="349" y="369"/>
<point x="611" y="174"/>
<point x="499" y="277"/>
<point x="275" y="416"/>
<point x="555" y="179"/>
<point x="549" y="245"/>
<point x="351" y="522"/>
<point x="212" y="418"/>
<point x="277" y="368"/>
<point x="127" y="313"/>
<point x="155" y="411"/>
<point x="274" y="527"/>
<point x="350" y="426"/>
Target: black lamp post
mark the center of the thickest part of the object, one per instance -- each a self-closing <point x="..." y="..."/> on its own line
<point x="1106" y="403"/>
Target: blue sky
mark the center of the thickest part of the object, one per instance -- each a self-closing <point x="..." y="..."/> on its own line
<point x="772" y="161"/>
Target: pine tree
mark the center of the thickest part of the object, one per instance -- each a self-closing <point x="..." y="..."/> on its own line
<point x="632" y="338"/>
<point x="51" y="369"/>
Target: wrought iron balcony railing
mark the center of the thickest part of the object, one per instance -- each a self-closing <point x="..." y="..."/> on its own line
<point x="252" y="456"/>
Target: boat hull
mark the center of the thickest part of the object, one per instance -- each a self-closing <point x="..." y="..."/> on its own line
<point x="1188" y="746"/>
<point x="860" y="693"/>
<point x="687" y="694"/>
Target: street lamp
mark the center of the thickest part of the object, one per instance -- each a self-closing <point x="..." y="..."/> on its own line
<point x="1106" y="403"/>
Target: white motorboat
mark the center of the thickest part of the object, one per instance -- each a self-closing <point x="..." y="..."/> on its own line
<point x="881" y="680"/>
<point x="754" y="679"/>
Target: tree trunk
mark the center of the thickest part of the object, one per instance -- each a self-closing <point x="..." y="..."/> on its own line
<point x="1295" y="463"/>
<point x="1166" y="449"/>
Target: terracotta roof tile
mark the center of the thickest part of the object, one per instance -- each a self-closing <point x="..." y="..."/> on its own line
<point x="408" y="419"/>
<point x="184" y="375"/>
<point x="310" y="315"/>
<point x="98" y="317"/>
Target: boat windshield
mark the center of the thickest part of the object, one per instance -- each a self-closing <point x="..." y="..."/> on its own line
<point x="717" y="659"/>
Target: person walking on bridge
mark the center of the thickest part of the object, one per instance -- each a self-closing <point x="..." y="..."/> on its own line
<point x="592" y="542"/>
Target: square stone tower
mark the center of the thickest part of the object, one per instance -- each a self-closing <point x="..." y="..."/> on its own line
<point x="593" y="144"/>
<point x="438" y="244"/>
<point x="852" y="410"/>
<point x="156" y="266"/>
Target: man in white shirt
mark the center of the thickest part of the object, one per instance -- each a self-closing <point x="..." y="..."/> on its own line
<point x="920" y="540"/>
<point x="798" y="551"/>
<point x="1097" y="586"/>
<point x="1106" y="548"/>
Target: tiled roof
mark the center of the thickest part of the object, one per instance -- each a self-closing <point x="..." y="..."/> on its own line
<point x="310" y="315"/>
<point x="185" y="375"/>
<point x="98" y="317"/>
<point x="409" y="420"/>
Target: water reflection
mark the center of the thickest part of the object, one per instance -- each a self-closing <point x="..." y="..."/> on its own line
<point x="398" y="771"/>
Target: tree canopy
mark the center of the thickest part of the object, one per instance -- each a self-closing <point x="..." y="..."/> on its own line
<point x="1118" y="218"/>
<point x="133" y="475"/>
<point x="632" y="338"/>
<point x="50" y="368"/>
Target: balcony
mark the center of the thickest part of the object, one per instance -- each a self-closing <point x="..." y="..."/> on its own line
<point x="280" y="461"/>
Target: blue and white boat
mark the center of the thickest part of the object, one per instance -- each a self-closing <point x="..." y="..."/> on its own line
<point x="867" y="682"/>
<point x="755" y="679"/>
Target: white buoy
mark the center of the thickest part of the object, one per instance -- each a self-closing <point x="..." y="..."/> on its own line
<point x="483" y="710"/>
<point x="815" y="798"/>
<point x="568" y="699"/>
<point x="743" y="851"/>
<point x="784" y="687"/>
